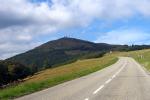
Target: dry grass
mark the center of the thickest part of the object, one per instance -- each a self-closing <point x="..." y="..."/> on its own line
<point x="142" y="56"/>
<point x="51" y="77"/>
<point x="70" y="68"/>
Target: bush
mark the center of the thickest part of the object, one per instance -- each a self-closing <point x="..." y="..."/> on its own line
<point x="10" y="72"/>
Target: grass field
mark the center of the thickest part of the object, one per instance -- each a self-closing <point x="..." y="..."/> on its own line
<point x="51" y="77"/>
<point x="142" y="56"/>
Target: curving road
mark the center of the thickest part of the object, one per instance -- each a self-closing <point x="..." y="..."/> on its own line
<point x="124" y="80"/>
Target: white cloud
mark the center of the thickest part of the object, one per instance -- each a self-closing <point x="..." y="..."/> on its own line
<point x="125" y="36"/>
<point x="21" y="21"/>
<point x="11" y="49"/>
<point x="66" y="13"/>
<point x="24" y="37"/>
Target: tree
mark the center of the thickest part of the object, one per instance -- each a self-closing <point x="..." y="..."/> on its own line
<point x="12" y="71"/>
<point x="3" y="74"/>
<point x="18" y="71"/>
<point x="46" y="64"/>
<point x="33" y="69"/>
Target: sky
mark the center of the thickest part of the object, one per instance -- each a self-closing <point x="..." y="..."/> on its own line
<point x="25" y="24"/>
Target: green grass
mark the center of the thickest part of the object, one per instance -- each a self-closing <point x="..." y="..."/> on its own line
<point x="54" y="76"/>
<point x="143" y="57"/>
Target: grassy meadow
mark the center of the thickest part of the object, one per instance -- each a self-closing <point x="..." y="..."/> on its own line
<point x="54" y="76"/>
<point x="142" y="56"/>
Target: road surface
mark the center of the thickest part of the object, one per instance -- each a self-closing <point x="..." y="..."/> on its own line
<point x="124" y="80"/>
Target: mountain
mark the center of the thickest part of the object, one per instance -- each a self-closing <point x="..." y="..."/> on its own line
<point x="61" y="51"/>
<point x="65" y="50"/>
<point x="72" y="44"/>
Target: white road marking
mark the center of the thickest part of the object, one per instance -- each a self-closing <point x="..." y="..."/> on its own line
<point x="98" y="89"/>
<point x="86" y="99"/>
<point x="113" y="76"/>
<point x="109" y="80"/>
<point x="117" y="73"/>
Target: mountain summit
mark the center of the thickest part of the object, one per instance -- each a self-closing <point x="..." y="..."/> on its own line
<point x="61" y="51"/>
<point x="66" y="50"/>
<point x="73" y="44"/>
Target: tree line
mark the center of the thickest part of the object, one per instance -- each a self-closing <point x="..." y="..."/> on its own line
<point x="37" y="60"/>
<point x="11" y="71"/>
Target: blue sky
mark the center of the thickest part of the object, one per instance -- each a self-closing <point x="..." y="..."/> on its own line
<point x="25" y="24"/>
<point x="97" y="29"/>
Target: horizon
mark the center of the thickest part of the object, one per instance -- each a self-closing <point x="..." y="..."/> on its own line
<point x="66" y="38"/>
<point x="100" y="21"/>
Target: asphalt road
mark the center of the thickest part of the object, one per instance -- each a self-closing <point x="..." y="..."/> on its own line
<point x="124" y="80"/>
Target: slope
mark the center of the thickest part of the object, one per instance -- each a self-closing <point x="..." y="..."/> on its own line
<point x="58" y="52"/>
<point x="54" y="76"/>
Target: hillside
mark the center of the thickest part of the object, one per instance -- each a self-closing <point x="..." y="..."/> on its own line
<point x="59" y="52"/>
<point x="66" y="50"/>
<point x="142" y="56"/>
<point x="54" y="76"/>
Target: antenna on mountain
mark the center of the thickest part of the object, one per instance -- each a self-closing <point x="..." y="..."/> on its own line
<point x="68" y="35"/>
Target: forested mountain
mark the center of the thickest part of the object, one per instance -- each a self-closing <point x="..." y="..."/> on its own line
<point x="65" y="50"/>
<point x="12" y="71"/>
<point x="55" y="53"/>
<point x="58" y="52"/>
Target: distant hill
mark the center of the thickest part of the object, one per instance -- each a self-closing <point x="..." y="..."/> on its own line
<point x="62" y="51"/>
